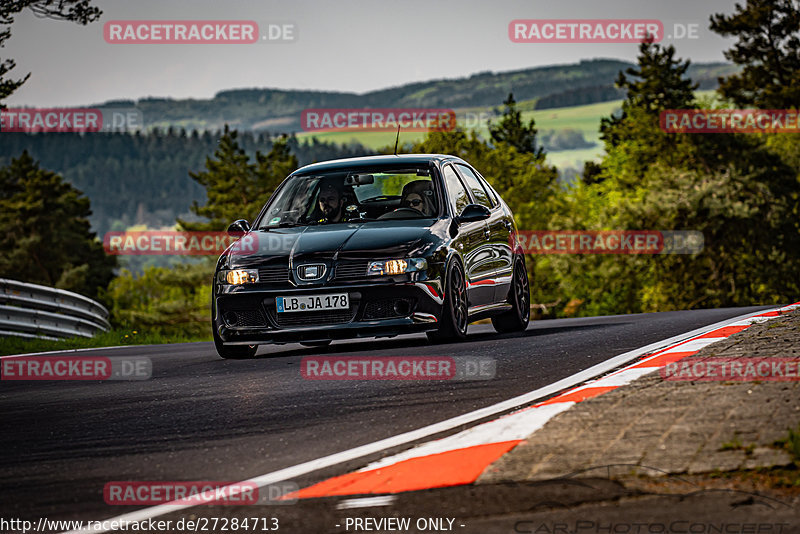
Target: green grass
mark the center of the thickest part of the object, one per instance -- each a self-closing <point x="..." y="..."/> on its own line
<point x="574" y="158"/>
<point x="113" y="338"/>
<point x="733" y="445"/>
<point x="792" y="444"/>
<point x="374" y="140"/>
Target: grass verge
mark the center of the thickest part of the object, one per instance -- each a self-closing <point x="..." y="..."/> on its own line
<point x="112" y="338"/>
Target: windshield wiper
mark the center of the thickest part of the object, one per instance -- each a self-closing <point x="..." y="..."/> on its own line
<point x="287" y="224"/>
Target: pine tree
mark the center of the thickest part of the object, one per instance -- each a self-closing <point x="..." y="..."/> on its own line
<point x="271" y="169"/>
<point x="226" y="181"/>
<point x="46" y="237"/>
<point x="768" y="49"/>
<point x="658" y="82"/>
<point x="235" y="187"/>
<point x="514" y="132"/>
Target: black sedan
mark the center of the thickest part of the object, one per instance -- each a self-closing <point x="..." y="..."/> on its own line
<point x="371" y="247"/>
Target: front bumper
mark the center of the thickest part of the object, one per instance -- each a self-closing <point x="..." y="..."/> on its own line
<point x="249" y="316"/>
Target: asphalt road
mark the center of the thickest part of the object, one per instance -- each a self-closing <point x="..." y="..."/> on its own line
<point x="204" y="418"/>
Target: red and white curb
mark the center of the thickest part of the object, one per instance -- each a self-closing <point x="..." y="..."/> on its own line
<point x="461" y="458"/>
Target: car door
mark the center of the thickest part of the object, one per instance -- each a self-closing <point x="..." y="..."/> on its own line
<point x="471" y="242"/>
<point x="500" y="229"/>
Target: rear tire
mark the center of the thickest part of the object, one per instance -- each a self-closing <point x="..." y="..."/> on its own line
<point x="454" y="321"/>
<point x="517" y="318"/>
<point x="233" y="352"/>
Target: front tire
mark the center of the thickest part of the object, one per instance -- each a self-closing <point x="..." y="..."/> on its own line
<point x="517" y="318"/>
<point x="233" y="352"/>
<point x="454" y="321"/>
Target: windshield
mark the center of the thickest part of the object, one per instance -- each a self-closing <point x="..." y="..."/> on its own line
<point x="353" y="196"/>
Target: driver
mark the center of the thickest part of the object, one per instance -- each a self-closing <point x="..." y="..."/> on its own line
<point x="330" y="203"/>
<point x="418" y="195"/>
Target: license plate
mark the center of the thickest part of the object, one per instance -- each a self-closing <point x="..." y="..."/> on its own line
<point x="306" y="303"/>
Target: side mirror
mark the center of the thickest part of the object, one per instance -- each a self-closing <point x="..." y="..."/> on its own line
<point x="238" y="228"/>
<point x="474" y="212"/>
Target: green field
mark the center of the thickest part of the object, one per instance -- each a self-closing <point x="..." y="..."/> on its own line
<point x="585" y="119"/>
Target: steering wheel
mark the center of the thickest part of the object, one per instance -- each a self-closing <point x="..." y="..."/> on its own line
<point x="400" y="212"/>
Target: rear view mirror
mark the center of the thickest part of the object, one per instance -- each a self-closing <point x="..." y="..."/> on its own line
<point x="474" y="212"/>
<point x="238" y="228"/>
<point x="359" y="179"/>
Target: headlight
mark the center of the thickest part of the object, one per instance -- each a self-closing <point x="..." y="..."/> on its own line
<point x="239" y="276"/>
<point x="389" y="267"/>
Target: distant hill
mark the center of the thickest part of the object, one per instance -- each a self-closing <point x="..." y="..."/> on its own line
<point x="278" y="110"/>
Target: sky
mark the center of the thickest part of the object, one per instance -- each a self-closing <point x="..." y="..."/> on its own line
<point x="339" y="45"/>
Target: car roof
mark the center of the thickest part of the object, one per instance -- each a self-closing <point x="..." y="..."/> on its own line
<point x="368" y="161"/>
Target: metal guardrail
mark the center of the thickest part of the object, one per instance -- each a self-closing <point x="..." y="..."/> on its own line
<point x="30" y="310"/>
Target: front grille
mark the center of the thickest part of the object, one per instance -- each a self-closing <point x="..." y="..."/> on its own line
<point x="351" y="270"/>
<point x="320" y="318"/>
<point x="384" y="308"/>
<point x="242" y="318"/>
<point x="273" y="275"/>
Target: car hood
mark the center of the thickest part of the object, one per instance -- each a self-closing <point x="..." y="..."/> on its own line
<point x="379" y="239"/>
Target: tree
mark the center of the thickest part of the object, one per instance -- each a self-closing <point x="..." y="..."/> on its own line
<point x="658" y="82"/>
<point x="79" y="11"/>
<point x="738" y="190"/>
<point x="768" y="49"/>
<point x="513" y="131"/>
<point x="45" y="236"/>
<point x="167" y="301"/>
<point x="271" y="169"/>
<point x="235" y="187"/>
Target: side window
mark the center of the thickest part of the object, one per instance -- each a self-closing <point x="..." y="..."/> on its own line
<point x="481" y="197"/>
<point x="456" y="191"/>
<point x="489" y="189"/>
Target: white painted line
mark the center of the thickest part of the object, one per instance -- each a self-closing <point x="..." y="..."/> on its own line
<point x="364" y="502"/>
<point x="753" y="320"/>
<point x="622" y="378"/>
<point x="436" y="428"/>
<point x="693" y="345"/>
